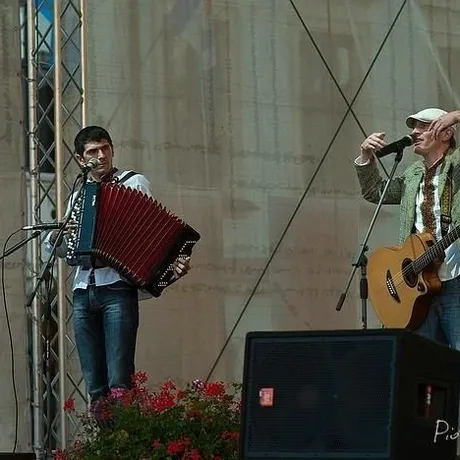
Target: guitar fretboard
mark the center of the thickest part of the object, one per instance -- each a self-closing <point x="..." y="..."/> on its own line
<point x="436" y="250"/>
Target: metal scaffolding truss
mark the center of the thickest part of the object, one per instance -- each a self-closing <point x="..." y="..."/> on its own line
<point x="54" y="74"/>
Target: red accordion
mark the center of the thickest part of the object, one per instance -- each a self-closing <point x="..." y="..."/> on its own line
<point x="131" y="232"/>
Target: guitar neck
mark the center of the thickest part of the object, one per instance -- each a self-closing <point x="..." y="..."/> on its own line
<point x="436" y="250"/>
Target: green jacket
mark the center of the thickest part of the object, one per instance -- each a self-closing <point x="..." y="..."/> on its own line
<point x="403" y="189"/>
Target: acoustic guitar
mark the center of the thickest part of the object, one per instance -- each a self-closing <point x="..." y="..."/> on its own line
<point x="403" y="279"/>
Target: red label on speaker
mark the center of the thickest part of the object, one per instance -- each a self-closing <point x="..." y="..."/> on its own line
<point x="266" y="397"/>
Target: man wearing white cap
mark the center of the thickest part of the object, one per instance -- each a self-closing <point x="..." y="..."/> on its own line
<point x="428" y="193"/>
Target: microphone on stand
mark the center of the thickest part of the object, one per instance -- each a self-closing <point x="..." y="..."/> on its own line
<point x="395" y="146"/>
<point x="47" y="226"/>
<point x="93" y="163"/>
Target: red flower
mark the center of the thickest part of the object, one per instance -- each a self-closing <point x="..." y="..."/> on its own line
<point x="161" y="402"/>
<point x="139" y="378"/>
<point x="168" y="386"/>
<point x="127" y="399"/>
<point x="69" y="405"/>
<point x="216" y="389"/>
<point x="177" y="446"/>
<point x="173" y="413"/>
<point x="193" y="455"/>
<point x="60" y="455"/>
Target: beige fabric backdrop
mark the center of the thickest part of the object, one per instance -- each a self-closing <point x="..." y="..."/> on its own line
<point x="228" y="108"/>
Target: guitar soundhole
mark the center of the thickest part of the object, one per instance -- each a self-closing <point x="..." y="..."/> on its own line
<point x="409" y="275"/>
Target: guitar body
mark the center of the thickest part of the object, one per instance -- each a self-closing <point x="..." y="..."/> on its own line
<point x="401" y="298"/>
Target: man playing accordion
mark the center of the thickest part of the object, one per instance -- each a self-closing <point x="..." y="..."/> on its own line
<point x="105" y="305"/>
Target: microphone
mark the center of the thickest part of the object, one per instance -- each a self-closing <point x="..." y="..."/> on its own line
<point x="93" y="163"/>
<point x="395" y="146"/>
<point x="48" y="226"/>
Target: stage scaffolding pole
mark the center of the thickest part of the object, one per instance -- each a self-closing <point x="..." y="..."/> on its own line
<point x="59" y="158"/>
<point x="36" y="381"/>
<point x="56" y="59"/>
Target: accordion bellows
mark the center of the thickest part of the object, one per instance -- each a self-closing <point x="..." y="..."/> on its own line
<point x="131" y="232"/>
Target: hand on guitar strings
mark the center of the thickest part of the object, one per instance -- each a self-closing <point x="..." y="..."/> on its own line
<point x="181" y="267"/>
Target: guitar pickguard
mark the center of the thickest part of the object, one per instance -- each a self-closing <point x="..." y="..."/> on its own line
<point x="391" y="287"/>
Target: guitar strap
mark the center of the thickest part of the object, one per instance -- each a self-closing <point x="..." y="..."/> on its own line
<point x="446" y="203"/>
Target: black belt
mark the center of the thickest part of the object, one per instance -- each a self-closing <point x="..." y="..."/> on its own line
<point x="92" y="279"/>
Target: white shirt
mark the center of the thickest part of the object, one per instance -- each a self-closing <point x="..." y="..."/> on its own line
<point x="450" y="268"/>
<point x="104" y="275"/>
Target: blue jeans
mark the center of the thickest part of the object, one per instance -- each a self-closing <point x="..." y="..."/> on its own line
<point x="106" y="320"/>
<point x="443" y="320"/>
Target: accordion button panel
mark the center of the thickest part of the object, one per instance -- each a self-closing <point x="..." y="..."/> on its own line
<point x="73" y="234"/>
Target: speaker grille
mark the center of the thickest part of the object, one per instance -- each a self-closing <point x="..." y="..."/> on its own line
<point x="330" y="395"/>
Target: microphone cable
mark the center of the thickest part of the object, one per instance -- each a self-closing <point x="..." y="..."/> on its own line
<point x="10" y="337"/>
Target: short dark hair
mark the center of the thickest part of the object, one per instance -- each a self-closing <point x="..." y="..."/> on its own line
<point x="90" y="134"/>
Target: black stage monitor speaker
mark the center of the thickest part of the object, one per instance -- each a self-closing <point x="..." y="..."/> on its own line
<point x="367" y="394"/>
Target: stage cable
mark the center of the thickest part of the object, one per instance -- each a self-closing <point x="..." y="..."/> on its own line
<point x="10" y="336"/>
<point x="307" y="189"/>
<point x="331" y="74"/>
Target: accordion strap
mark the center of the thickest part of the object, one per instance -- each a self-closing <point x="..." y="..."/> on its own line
<point x="126" y="177"/>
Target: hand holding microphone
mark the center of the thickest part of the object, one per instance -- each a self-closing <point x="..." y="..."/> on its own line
<point x="371" y="144"/>
<point x="375" y="144"/>
<point x="395" y="146"/>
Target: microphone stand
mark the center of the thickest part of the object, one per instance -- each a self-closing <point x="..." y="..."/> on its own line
<point x="57" y="242"/>
<point x="360" y="258"/>
<point x="20" y="244"/>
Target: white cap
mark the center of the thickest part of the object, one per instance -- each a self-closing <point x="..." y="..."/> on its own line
<point x="425" y="116"/>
